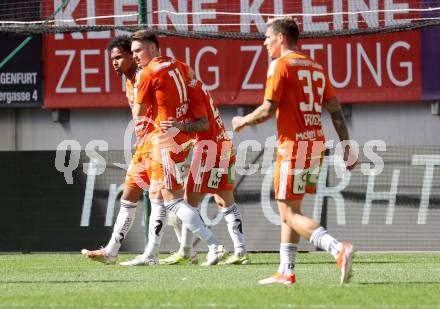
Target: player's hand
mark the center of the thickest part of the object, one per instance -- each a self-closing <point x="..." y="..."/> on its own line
<point x="237" y="123"/>
<point x="165" y="125"/>
<point x="350" y="158"/>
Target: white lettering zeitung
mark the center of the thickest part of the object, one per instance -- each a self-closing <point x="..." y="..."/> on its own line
<point x="89" y="66"/>
<point x="18" y="78"/>
<point x="246" y="84"/>
<point x="386" y="63"/>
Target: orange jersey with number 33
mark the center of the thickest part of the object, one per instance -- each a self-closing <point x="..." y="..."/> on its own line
<point x="299" y="85"/>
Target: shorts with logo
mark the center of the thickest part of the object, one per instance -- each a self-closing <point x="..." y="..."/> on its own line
<point x="139" y="171"/>
<point x="295" y="177"/>
<point x="159" y="162"/>
<point x="168" y="168"/>
<point x="212" y="167"/>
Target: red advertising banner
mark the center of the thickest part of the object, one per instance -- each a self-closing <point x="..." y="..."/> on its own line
<point x="363" y="69"/>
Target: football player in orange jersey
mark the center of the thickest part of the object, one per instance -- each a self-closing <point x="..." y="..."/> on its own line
<point x="160" y="92"/>
<point x="137" y="177"/>
<point x="212" y="171"/>
<point x="297" y="88"/>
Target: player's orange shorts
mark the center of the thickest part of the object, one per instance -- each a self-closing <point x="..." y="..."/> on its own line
<point x="168" y="168"/>
<point x="139" y="171"/>
<point x="212" y="167"/>
<point x="296" y="176"/>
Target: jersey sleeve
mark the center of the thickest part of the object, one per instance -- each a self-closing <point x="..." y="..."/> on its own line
<point x="274" y="82"/>
<point x="145" y="88"/>
<point x="185" y="71"/>
<point x="197" y="99"/>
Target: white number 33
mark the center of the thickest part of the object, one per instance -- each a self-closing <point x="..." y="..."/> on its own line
<point x="311" y="79"/>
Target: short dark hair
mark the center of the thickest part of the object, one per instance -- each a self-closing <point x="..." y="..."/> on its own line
<point x="122" y="41"/>
<point x="145" y="36"/>
<point x="286" y="26"/>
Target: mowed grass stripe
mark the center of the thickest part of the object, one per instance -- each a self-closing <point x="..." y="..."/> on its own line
<point x="381" y="280"/>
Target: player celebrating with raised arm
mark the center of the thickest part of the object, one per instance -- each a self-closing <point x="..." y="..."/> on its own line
<point x="137" y="178"/>
<point x="212" y="171"/>
<point x="296" y="90"/>
<point x="161" y="89"/>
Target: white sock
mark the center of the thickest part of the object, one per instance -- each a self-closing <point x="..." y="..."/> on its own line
<point x="192" y="220"/>
<point x="287" y="258"/>
<point x="184" y="236"/>
<point x="124" y="221"/>
<point x="177" y="225"/>
<point x="234" y="222"/>
<point x="186" y="242"/>
<point x="320" y="238"/>
<point x="158" y="221"/>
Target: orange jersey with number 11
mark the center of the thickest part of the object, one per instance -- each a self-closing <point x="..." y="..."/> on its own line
<point x="162" y="87"/>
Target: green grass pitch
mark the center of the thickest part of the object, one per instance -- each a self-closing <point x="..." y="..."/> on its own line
<point x="381" y="280"/>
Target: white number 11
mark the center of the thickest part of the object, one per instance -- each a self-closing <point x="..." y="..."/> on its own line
<point x="181" y="87"/>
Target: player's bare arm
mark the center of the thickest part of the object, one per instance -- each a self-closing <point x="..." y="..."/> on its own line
<point x="200" y="125"/>
<point x="334" y="108"/>
<point x="262" y="113"/>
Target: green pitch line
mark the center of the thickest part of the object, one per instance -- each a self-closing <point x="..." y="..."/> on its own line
<point x="27" y="40"/>
<point x="380" y="280"/>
